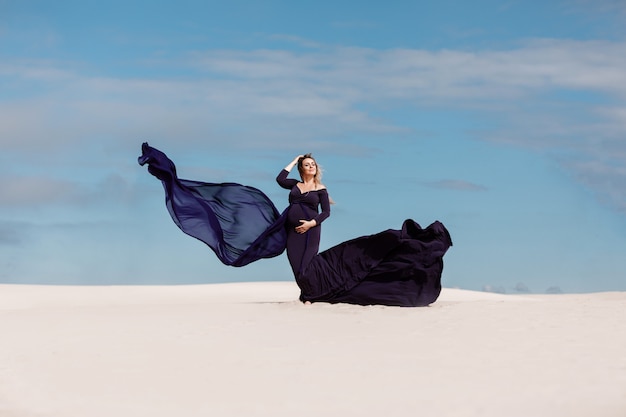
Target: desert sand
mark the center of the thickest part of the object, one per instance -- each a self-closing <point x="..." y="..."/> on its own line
<point x="252" y="349"/>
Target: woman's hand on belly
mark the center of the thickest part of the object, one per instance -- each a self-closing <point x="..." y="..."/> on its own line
<point x="305" y="225"/>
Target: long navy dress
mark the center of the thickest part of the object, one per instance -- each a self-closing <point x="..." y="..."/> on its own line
<point x="241" y="225"/>
<point x="303" y="247"/>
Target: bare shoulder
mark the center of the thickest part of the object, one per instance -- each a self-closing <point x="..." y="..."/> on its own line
<point x="321" y="187"/>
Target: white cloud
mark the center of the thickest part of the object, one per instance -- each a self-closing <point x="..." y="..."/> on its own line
<point x="19" y="191"/>
<point x="598" y="6"/>
<point x="34" y="191"/>
<point x="555" y="96"/>
<point x="499" y="289"/>
<point x="554" y="290"/>
<point x="605" y="176"/>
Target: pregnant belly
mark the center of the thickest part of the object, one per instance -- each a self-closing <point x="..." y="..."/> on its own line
<point x="299" y="212"/>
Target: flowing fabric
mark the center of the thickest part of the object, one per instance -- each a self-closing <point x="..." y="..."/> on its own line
<point x="241" y="225"/>
<point x="394" y="267"/>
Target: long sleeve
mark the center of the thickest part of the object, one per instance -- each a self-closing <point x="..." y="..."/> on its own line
<point x="325" y="206"/>
<point x="283" y="181"/>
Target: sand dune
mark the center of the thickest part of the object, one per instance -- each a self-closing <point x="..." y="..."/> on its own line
<point x="251" y="349"/>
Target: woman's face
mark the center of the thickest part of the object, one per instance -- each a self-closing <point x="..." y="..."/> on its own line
<point x="309" y="167"/>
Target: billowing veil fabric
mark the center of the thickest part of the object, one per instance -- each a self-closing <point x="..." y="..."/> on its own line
<point x="240" y="223"/>
<point x="394" y="267"/>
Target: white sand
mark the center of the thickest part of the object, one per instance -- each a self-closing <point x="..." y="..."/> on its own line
<point x="251" y="349"/>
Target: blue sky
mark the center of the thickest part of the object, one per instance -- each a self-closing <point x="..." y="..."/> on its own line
<point x="505" y="120"/>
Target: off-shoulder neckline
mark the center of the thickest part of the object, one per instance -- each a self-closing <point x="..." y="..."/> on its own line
<point x="304" y="192"/>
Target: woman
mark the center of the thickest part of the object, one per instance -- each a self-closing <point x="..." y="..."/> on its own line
<point x="394" y="267"/>
<point x="303" y="223"/>
<point x="241" y="225"/>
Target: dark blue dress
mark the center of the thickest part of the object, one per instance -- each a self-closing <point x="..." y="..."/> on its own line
<point x="241" y="225"/>
<point x="303" y="247"/>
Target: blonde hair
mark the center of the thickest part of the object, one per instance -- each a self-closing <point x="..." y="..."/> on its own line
<point x="318" y="172"/>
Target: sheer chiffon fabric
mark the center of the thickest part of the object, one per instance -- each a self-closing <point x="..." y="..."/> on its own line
<point x="239" y="223"/>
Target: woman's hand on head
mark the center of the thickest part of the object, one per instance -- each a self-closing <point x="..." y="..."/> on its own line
<point x="293" y="163"/>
